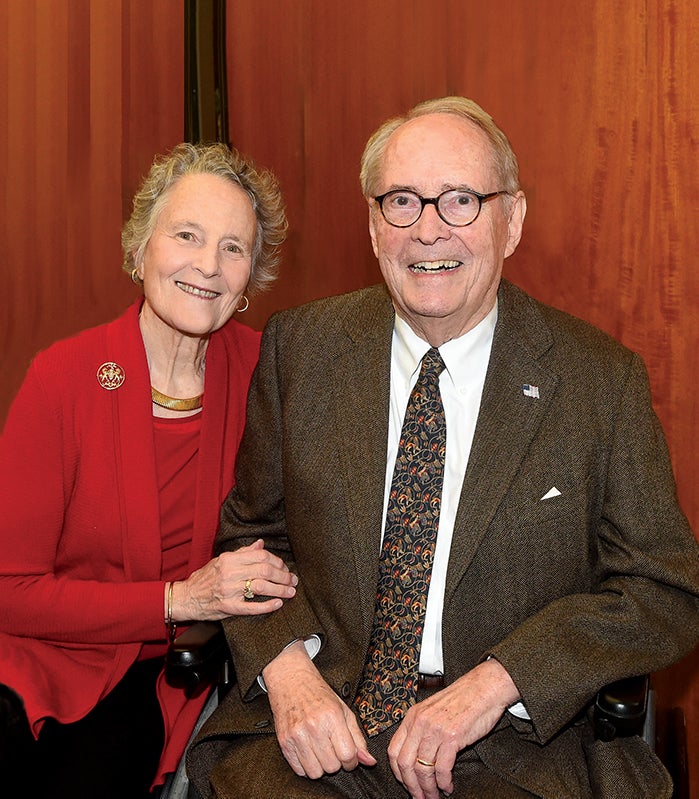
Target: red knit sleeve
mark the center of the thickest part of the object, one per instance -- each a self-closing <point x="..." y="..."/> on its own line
<point x="39" y="466"/>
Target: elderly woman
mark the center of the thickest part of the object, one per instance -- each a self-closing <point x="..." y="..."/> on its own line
<point x="115" y="457"/>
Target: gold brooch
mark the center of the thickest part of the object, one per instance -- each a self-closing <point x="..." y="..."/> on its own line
<point x="110" y="375"/>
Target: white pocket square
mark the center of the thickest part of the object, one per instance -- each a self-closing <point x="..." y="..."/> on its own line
<point x="550" y="494"/>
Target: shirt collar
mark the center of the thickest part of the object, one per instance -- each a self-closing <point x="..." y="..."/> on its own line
<point x="457" y="354"/>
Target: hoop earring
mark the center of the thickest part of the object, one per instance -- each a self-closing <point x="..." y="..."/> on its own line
<point x="135" y="278"/>
<point x="247" y="305"/>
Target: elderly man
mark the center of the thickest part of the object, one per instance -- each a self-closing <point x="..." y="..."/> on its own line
<point x="477" y="498"/>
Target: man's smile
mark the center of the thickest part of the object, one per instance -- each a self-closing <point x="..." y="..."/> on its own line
<point x="434" y="266"/>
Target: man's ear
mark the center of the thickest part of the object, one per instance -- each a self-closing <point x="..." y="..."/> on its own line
<point x="372" y="226"/>
<point x="518" y="211"/>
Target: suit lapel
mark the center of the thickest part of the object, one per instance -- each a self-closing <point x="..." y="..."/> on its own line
<point x="361" y="388"/>
<point x="507" y="422"/>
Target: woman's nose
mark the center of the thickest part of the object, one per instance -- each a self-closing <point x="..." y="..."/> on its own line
<point x="207" y="263"/>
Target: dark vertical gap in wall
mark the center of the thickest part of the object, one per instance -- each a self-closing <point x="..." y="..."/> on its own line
<point x="205" y="83"/>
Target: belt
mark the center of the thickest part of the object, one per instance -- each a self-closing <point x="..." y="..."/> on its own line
<point x="430" y="681"/>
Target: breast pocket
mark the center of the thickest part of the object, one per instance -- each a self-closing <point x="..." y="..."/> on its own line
<point x="544" y="504"/>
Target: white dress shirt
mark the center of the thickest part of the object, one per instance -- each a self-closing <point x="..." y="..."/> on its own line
<point x="461" y="386"/>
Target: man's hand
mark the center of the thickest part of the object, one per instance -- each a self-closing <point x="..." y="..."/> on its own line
<point x="436" y="729"/>
<point x="317" y="732"/>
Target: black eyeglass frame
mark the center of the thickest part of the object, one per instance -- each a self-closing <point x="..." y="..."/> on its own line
<point x="482" y="198"/>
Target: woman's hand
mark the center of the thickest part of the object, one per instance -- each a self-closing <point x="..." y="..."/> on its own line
<point x="218" y="589"/>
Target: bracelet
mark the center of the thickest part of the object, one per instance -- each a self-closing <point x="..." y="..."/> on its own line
<point x="169" y="623"/>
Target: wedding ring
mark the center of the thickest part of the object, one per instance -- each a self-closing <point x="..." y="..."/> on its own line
<point x="427" y="763"/>
<point x="248" y="593"/>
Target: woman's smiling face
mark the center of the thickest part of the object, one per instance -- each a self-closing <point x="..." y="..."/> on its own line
<point x="197" y="263"/>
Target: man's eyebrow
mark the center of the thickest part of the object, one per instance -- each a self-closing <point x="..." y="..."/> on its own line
<point x="400" y="187"/>
<point x="444" y="187"/>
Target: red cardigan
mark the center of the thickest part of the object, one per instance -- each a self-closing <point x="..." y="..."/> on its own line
<point x="80" y="553"/>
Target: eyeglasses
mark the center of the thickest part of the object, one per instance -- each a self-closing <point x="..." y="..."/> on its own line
<point x="456" y="207"/>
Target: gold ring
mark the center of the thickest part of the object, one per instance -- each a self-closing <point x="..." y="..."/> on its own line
<point x="427" y="763"/>
<point x="248" y="593"/>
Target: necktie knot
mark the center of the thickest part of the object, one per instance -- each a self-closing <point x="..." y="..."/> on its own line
<point x="432" y="364"/>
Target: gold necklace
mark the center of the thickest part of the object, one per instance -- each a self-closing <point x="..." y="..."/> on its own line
<point x="174" y="404"/>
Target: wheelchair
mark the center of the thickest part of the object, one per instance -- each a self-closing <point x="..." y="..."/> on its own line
<point x="199" y="659"/>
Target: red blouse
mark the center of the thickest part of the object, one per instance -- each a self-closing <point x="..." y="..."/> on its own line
<point x="176" y="444"/>
<point x="176" y="463"/>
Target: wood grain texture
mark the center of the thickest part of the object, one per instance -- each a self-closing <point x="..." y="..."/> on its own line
<point x="89" y="92"/>
<point x="598" y="98"/>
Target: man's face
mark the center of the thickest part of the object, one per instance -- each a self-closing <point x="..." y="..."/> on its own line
<point x="443" y="279"/>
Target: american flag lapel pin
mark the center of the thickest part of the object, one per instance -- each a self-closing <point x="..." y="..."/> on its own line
<point x="530" y="391"/>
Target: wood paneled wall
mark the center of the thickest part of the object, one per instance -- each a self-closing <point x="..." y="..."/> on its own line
<point x="88" y="94"/>
<point x="598" y="99"/>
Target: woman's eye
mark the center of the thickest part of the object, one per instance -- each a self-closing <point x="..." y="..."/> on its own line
<point x="234" y="248"/>
<point x="186" y="235"/>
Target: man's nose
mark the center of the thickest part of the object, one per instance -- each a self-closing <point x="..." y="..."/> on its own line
<point x="430" y="226"/>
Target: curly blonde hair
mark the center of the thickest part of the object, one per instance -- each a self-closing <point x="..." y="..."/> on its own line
<point x="261" y="186"/>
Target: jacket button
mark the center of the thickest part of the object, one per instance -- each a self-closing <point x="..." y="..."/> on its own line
<point x="345" y="690"/>
<point x="261" y="724"/>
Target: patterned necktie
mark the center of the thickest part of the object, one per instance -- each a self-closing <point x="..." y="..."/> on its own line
<point x="389" y="683"/>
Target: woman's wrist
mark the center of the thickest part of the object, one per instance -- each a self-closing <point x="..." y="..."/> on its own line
<point x="170" y="623"/>
<point x="165" y="593"/>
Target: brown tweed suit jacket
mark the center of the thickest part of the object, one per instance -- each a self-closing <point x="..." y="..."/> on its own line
<point x="569" y="593"/>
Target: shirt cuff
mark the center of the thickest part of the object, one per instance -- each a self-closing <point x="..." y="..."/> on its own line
<point x="519" y="711"/>
<point x="518" y="708"/>
<point x="312" y="644"/>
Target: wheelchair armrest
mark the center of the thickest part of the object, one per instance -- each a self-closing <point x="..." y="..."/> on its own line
<point x="620" y="708"/>
<point x="199" y="657"/>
